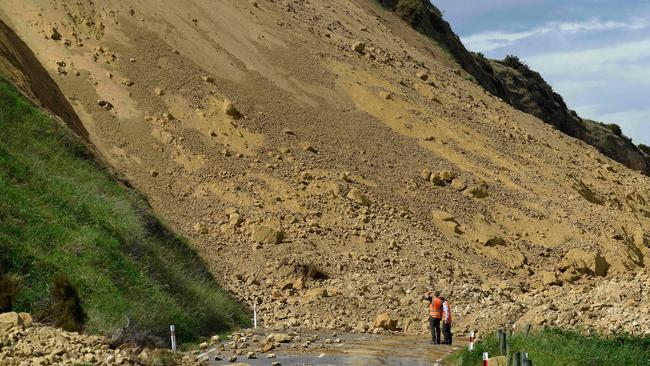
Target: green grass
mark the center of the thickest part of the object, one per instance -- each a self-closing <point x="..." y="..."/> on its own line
<point x="565" y="348"/>
<point x="62" y="212"/>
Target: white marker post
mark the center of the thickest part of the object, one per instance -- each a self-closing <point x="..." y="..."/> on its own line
<point x="255" y="315"/>
<point x="173" y="331"/>
<point x="470" y="347"/>
<point x="485" y="359"/>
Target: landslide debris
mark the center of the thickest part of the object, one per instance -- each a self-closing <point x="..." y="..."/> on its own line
<point x="387" y="182"/>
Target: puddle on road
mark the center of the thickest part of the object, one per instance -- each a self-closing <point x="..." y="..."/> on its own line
<point x="361" y="350"/>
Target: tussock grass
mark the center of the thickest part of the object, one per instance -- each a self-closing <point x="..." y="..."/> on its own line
<point x="555" y="347"/>
<point x="62" y="213"/>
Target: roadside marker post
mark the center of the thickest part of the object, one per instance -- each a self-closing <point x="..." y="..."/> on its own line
<point x="502" y="342"/>
<point x="172" y="329"/>
<point x="254" y="315"/>
<point x="470" y="347"/>
<point x="485" y="359"/>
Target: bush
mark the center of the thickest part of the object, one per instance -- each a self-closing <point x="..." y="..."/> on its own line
<point x="644" y="148"/>
<point x="616" y="129"/>
<point x="66" y="311"/>
<point x="8" y="291"/>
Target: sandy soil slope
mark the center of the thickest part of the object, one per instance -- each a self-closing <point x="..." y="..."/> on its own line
<point x="284" y="134"/>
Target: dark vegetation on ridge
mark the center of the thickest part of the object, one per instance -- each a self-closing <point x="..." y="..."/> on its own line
<point x="518" y="85"/>
<point x="79" y="250"/>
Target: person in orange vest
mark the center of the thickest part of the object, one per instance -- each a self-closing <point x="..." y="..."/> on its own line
<point x="446" y="321"/>
<point x="435" y="314"/>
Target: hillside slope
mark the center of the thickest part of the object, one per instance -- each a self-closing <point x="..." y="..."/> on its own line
<point x="518" y="85"/>
<point x="64" y="219"/>
<point x="330" y="163"/>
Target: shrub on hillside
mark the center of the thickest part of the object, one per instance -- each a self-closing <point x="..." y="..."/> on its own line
<point x="644" y="148"/>
<point x="66" y="311"/>
<point x="616" y="129"/>
<point x="8" y="290"/>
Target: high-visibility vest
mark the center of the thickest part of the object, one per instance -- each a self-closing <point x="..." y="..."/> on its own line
<point x="435" y="308"/>
<point x="446" y="312"/>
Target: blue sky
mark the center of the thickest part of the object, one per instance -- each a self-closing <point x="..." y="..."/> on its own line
<point x="595" y="53"/>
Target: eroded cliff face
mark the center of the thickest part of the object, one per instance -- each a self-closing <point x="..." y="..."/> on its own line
<point x="517" y="85"/>
<point x="330" y="163"/>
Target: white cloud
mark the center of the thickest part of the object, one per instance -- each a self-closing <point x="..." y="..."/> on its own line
<point x="492" y="40"/>
<point x="627" y="61"/>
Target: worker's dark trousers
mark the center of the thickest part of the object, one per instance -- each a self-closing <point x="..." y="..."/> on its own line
<point x="446" y="331"/>
<point x="434" y="324"/>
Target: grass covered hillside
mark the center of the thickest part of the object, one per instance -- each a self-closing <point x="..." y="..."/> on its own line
<point x="71" y="235"/>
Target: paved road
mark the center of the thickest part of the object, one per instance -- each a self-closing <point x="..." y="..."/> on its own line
<point x="363" y="350"/>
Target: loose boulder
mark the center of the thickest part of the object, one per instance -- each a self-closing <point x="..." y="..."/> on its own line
<point x="266" y="234"/>
<point x="550" y="278"/>
<point x="385" y="321"/>
<point x="279" y="337"/>
<point x="314" y="294"/>
<point x="355" y="195"/>
<point x="13" y="319"/>
<point x="479" y="190"/>
<point x="585" y="262"/>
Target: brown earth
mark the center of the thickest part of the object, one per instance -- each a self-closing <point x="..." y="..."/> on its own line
<point x="290" y="140"/>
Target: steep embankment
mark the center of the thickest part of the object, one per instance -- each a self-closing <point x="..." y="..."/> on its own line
<point x="518" y="85"/>
<point x="330" y="164"/>
<point x="71" y="235"/>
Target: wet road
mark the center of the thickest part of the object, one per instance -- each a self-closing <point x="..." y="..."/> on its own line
<point x="361" y="350"/>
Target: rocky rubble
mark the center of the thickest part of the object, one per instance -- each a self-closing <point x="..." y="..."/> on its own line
<point x="335" y="196"/>
<point x="25" y="344"/>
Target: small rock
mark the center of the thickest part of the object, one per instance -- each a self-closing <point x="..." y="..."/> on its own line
<point x="306" y="146"/>
<point x="425" y="174"/>
<point x="423" y="75"/>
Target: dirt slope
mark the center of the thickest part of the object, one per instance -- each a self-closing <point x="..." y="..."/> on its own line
<point x="251" y="123"/>
<point x="518" y="85"/>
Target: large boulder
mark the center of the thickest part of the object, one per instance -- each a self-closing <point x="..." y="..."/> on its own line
<point x="642" y="239"/>
<point x="479" y="190"/>
<point x="279" y="337"/>
<point x="314" y="294"/>
<point x="267" y="234"/>
<point x="355" y="195"/>
<point x="446" y="221"/>
<point x="384" y="321"/>
<point x="13" y="319"/>
<point x="585" y="262"/>
<point x="549" y="278"/>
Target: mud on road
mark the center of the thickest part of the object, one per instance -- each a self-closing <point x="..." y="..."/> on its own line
<point x="353" y="349"/>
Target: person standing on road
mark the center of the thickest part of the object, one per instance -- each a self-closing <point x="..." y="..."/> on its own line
<point x="435" y="314"/>
<point x="446" y="321"/>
